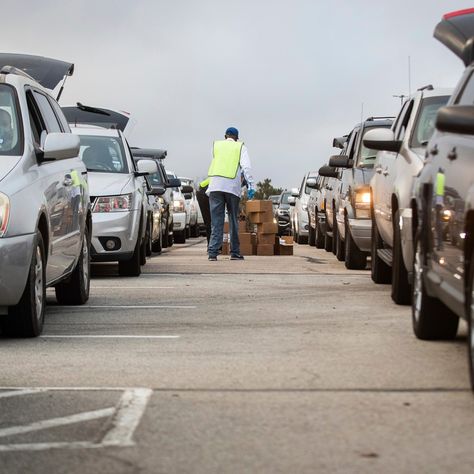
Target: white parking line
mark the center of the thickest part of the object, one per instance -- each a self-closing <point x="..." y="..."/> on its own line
<point x="133" y="287"/>
<point x="105" y="336"/>
<point x="120" y="307"/>
<point x="17" y="393"/>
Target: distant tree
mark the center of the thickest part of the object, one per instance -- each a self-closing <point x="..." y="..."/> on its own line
<point x="265" y="189"/>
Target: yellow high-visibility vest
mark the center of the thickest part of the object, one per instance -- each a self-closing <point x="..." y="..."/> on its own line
<point x="440" y="180"/>
<point x="226" y="159"/>
<point x="204" y="183"/>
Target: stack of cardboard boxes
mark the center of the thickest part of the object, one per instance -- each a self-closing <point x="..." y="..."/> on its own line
<point x="258" y="233"/>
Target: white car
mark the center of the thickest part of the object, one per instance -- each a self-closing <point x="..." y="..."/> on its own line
<point x="300" y="220"/>
<point x="180" y="218"/>
<point x="118" y="194"/>
<point x="400" y="159"/>
<point x="189" y="193"/>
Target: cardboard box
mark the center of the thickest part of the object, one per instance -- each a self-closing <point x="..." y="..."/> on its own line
<point x="286" y="240"/>
<point x="260" y="217"/>
<point x="265" y="249"/>
<point x="267" y="228"/>
<point x="259" y="206"/>
<point x="242" y="226"/>
<point x="225" y="248"/>
<point x="247" y="238"/>
<point x="247" y="249"/>
<point x="285" y="250"/>
<point x="266" y="239"/>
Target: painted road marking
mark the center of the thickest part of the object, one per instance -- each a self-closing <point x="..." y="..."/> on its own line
<point x="17" y="393"/>
<point x="75" y="308"/>
<point x="133" y="287"/>
<point x="126" y="417"/>
<point x="105" y="336"/>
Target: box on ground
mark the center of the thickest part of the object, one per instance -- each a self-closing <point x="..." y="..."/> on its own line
<point x="242" y="226"/>
<point x="225" y="248"/>
<point x="267" y="228"/>
<point x="259" y="206"/>
<point x="260" y="217"/>
<point x="266" y="239"/>
<point x="247" y="249"/>
<point x="247" y="238"/>
<point x="265" y="249"/>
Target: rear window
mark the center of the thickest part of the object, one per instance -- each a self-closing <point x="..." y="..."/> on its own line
<point x="11" y="140"/>
<point x="425" y="122"/>
<point x="103" y="154"/>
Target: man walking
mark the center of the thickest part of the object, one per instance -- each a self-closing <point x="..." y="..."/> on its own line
<point x="230" y="160"/>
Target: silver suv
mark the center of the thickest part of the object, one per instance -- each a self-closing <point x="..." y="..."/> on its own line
<point x="45" y="218"/>
<point x="400" y="159"/>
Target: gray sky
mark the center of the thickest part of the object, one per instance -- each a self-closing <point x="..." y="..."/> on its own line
<point x="289" y="76"/>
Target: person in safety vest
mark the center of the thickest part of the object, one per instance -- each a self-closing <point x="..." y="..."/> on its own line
<point x="230" y="160"/>
<point x="203" y="201"/>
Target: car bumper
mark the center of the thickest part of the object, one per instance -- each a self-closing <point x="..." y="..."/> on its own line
<point x="117" y="225"/>
<point x="361" y="231"/>
<point x="15" y="262"/>
<point x="179" y="221"/>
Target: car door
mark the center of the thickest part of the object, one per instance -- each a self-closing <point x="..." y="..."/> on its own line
<point x="452" y="179"/>
<point x="57" y="184"/>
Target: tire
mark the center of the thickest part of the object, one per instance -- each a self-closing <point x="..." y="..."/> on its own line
<point x="170" y="239"/>
<point x="470" y="319"/>
<point x="149" y="243"/>
<point x="380" y="272"/>
<point x="157" y="246"/>
<point x="195" y="231"/>
<point x="180" y="237"/>
<point x="401" y="291"/>
<point x="319" y="237"/>
<point x="327" y="240"/>
<point x="26" y="319"/>
<point x="75" y="290"/>
<point x="340" y="249"/>
<point x="355" y="259"/>
<point x="334" y="232"/>
<point x="311" y="236"/>
<point x="132" y="266"/>
<point x="165" y="235"/>
<point x="143" y="250"/>
<point x="301" y="239"/>
<point x="431" y="319"/>
<point x="188" y="232"/>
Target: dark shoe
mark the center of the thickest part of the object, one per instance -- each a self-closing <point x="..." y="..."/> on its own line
<point x="212" y="259"/>
<point x="237" y="257"/>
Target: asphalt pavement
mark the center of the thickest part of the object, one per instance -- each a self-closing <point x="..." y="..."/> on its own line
<point x="270" y="365"/>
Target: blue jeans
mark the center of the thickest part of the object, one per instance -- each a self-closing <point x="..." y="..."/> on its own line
<point x="218" y="202"/>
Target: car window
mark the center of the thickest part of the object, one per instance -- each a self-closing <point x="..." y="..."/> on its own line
<point x="11" y="141"/>
<point x="156" y="179"/>
<point x="103" y="154"/>
<point x="284" y="198"/>
<point x="367" y="156"/>
<point x="426" y="119"/>
<point x="60" y="115"/>
<point x="466" y="97"/>
<point x="401" y="120"/>
<point x="350" y="145"/>
<point x="403" y="123"/>
<point x="52" y="124"/>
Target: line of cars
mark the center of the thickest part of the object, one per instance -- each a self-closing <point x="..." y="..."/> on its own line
<point x="401" y="191"/>
<point x="72" y="192"/>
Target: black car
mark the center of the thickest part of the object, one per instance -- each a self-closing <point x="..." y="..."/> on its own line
<point x="443" y="213"/>
<point x="282" y="214"/>
<point x="160" y="179"/>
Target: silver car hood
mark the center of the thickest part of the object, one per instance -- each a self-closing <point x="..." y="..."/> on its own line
<point x="7" y="163"/>
<point x="109" y="184"/>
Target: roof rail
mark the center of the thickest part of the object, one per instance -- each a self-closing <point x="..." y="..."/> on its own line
<point x="154" y="153"/>
<point x="428" y="87"/>
<point x="371" y="119"/>
<point x="15" y="70"/>
<point x="87" y="108"/>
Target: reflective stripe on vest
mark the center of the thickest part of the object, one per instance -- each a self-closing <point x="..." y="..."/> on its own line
<point x="226" y="159"/>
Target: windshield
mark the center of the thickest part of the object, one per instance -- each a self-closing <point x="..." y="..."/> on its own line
<point x="103" y="154"/>
<point x="156" y="179"/>
<point x="10" y="132"/>
<point x="171" y="176"/>
<point x="284" y="198"/>
<point x="367" y="155"/>
<point x="425" y="122"/>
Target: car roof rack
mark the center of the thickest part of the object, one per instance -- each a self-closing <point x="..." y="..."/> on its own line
<point x="428" y="87"/>
<point x="371" y="119"/>
<point x="154" y="153"/>
<point x="16" y="71"/>
<point x="94" y="110"/>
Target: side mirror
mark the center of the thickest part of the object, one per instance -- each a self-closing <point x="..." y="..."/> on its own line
<point x="146" y="167"/>
<point x="60" y="146"/>
<point x="295" y="192"/>
<point x="186" y="189"/>
<point x="382" y="139"/>
<point x="291" y="200"/>
<point x="339" y="142"/>
<point x="157" y="191"/>
<point x="328" y="171"/>
<point x="340" y="161"/>
<point x="173" y="183"/>
<point x="311" y="183"/>
<point x="456" y="119"/>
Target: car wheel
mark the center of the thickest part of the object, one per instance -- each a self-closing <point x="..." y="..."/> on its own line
<point x="380" y="272"/>
<point x="327" y="240"/>
<point x="340" y="249"/>
<point x="188" y="232"/>
<point x="132" y="267"/>
<point x="355" y="259"/>
<point x="195" y="231"/>
<point x="170" y="239"/>
<point x="148" y="242"/>
<point x="301" y="239"/>
<point x="26" y="319"/>
<point x="430" y="317"/>
<point x="75" y="290"/>
<point x="470" y="320"/>
<point x="319" y="235"/>
<point x="401" y="291"/>
<point x="180" y="237"/>
<point x="157" y="246"/>
<point x="165" y="235"/>
<point x="311" y="237"/>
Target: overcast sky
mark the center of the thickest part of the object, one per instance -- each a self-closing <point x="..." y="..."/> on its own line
<point x="289" y="75"/>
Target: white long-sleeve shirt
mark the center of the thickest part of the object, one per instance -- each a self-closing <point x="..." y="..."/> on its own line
<point x="234" y="185"/>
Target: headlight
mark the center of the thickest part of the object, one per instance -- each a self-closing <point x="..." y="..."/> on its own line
<point x="362" y="204"/>
<point x="4" y="213"/>
<point x="178" y="206"/>
<point x="113" y="203"/>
